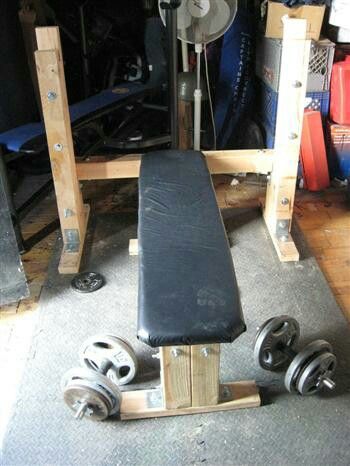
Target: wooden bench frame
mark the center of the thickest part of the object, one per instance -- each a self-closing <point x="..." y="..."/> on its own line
<point x="190" y="385"/>
<point x="281" y="163"/>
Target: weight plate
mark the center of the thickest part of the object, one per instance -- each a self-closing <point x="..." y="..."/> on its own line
<point x="81" y="376"/>
<point x="87" y="282"/>
<point x="276" y="333"/>
<point x="319" y="368"/>
<point x="94" y="403"/>
<point x="298" y="363"/>
<point x="116" y="351"/>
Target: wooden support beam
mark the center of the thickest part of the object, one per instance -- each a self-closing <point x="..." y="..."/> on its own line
<point x="143" y="404"/>
<point x="291" y="101"/>
<point x="219" y="162"/>
<point x="72" y="213"/>
<point x="175" y="364"/>
<point x="205" y="368"/>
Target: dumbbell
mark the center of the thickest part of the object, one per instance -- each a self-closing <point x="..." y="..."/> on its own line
<point x="108" y="361"/>
<point x="309" y="370"/>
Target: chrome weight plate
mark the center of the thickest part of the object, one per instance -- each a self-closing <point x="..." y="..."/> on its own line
<point x="298" y="363"/>
<point x="116" y="351"/>
<point x="318" y="372"/>
<point x="87" y="282"/>
<point x="276" y="333"/>
<point x="88" y="392"/>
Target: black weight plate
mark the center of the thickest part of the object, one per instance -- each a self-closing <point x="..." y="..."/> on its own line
<point x="320" y="367"/>
<point x="301" y="359"/>
<point x="87" y="282"/>
<point x="273" y="337"/>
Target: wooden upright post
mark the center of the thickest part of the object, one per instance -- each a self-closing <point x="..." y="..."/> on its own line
<point x="72" y="213"/>
<point x="291" y="102"/>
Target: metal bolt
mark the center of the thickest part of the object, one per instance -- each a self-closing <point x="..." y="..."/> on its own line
<point x="205" y="352"/>
<point x="283" y="223"/>
<point x="81" y="411"/>
<point x="284" y="238"/>
<point x="284" y="201"/>
<point x="58" y="147"/>
<point x="176" y="352"/>
<point x="292" y="136"/>
<point x="68" y="213"/>
<point x="51" y="95"/>
<point x="328" y="383"/>
<point x="296" y="84"/>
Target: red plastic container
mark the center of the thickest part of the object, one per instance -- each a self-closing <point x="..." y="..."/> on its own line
<point x="313" y="153"/>
<point x="340" y="92"/>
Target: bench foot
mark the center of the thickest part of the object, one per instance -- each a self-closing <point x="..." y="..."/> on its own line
<point x="143" y="404"/>
<point x="70" y="260"/>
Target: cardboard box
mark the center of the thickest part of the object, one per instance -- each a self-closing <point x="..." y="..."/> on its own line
<point x="313" y="14"/>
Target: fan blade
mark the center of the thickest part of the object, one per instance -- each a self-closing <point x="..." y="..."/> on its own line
<point x="183" y="17"/>
<point x="217" y="18"/>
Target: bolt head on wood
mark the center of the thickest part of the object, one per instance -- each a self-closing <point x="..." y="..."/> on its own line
<point x="285" y="201"/>
<point x="176" y="352"/>
<point x="51" y="95"/>
<point x="292" y="136"/>
<point x="58" y="147"/>
<point x="296" y="84"/>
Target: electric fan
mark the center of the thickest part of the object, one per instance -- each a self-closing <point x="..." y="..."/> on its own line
<point x="200" y="22"/>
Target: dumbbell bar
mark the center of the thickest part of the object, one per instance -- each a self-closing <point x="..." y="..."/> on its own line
<point x="93" y="390"/>
<point x="309" y="370"/>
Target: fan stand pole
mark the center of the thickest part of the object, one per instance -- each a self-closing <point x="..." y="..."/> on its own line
<point x="198" y="101"/>
<point x="171" y="27"/>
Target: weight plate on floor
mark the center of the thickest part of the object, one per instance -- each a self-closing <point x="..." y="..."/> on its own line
<point x="87" y="282"/>
<point x="276" y="333"/>
<point x="298" y="363"/>
<point x="94" y="402"/>
<point x="92" y="380"/>
<point x="116" y="351"/>
<point x="320" y="367"/>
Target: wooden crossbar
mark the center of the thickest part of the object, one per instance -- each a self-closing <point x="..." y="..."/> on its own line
<point x="281" y="162"/>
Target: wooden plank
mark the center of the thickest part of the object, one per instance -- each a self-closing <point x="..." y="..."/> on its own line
<point x="133" y="247"/>
<point x="292" y="89"/>
<point x="205" y="367"/>
<point x="175" y="365"/>
<point x="143" y="404"/>
<point x="219" y="162"/>
<point x="51" y="79"/>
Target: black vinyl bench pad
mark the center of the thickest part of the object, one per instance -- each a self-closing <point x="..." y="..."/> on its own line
<point x="187" y="286"/>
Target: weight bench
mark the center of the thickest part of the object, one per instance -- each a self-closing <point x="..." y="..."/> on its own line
<point x="188" y="295"/>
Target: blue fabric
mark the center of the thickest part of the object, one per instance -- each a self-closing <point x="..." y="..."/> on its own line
<point x="15" y="138"/>
<point x="235" y="84"/>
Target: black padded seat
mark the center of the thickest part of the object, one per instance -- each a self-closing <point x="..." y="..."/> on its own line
<point x="188" y="292"/>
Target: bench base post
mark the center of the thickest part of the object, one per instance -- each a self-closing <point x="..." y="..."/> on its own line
<point x="143" y="404"/>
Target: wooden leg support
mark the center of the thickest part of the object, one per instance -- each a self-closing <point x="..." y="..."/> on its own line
<point x="190" y="385"/>
<point x="291" y="102"/>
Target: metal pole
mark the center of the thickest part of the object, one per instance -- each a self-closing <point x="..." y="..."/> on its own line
<point x="171" y="27"/>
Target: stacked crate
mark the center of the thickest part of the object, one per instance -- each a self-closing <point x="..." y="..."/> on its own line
<point x="268" y="66"/>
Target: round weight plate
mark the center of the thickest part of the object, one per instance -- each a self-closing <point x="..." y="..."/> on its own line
<point x="298" y="363"/>
<point x="93" y="380"/>
<point x="98" y="406"/>
<point x="320" y="367"/>
<point x="115" y="350"/>
<point x="87" y="282"/>
<point x="276" y="333"/>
